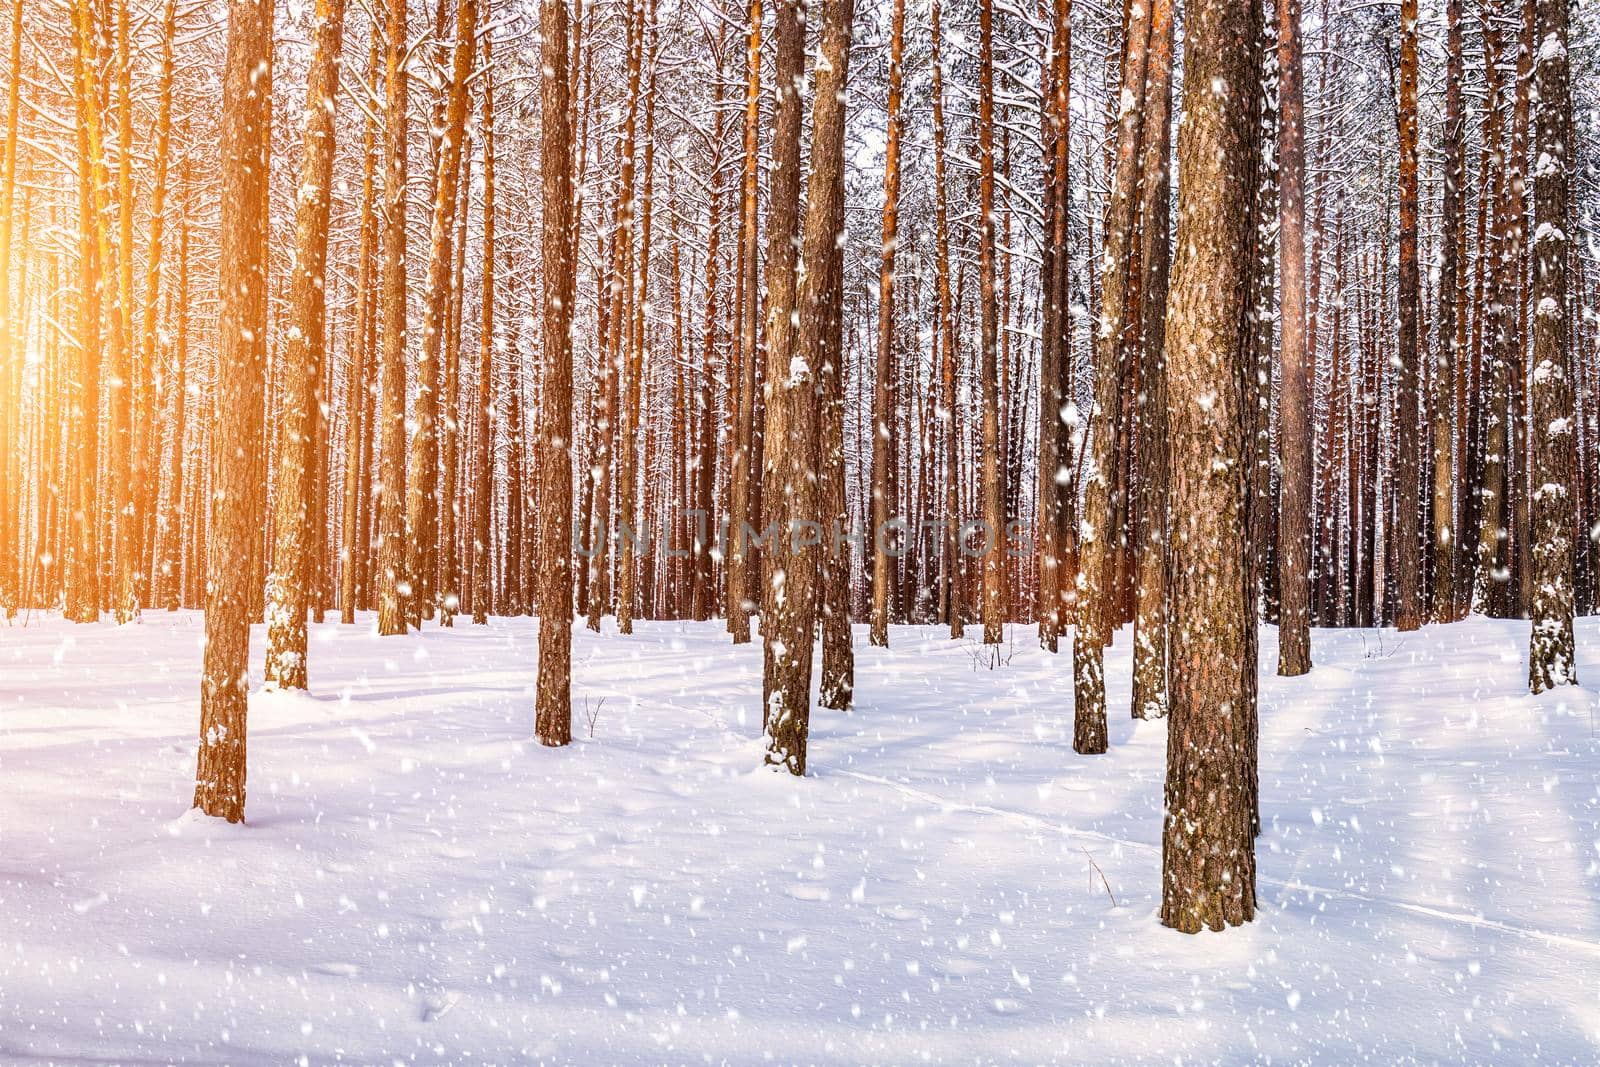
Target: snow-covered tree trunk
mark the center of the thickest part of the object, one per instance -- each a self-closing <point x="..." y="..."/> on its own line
<point x="1551" y="656"/>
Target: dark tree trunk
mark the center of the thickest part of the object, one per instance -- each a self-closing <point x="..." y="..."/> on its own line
<point x="1208" y="854"/>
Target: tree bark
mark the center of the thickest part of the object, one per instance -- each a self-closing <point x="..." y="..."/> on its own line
<point x="884" y="453"/>
<point x="1096" y="589"/>
<point x="293" y="509"/>
<point x="792" y="634"/>
<point x="1208" y="855"/>
<point x="1551" y="656"/>
<point x="225" y="681"/>
<point x="1298" y="363"/>
<point x="739" y="493"/>
<point x="1152" y="636"/>
<point x="1408" y="369"/>
<point x="422" y="498"/>
<point x="951" y="556"/>
<point x="554" y="722"/>
<point x="395" y="585"/>
<point x="994" y="556"/>
<point x="483" y="427"/>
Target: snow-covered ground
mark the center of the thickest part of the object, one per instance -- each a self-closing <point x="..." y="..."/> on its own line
<point x="419" y="882"/>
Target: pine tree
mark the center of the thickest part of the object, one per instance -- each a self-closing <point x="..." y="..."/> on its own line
<point x="395" y="586"/>
<point x="1450" y="331"/>
<point x="554" y="711"/>
<point x="884" y="452"/>
<point x="1551" y="655"/>
<point x="1409" y="461"/>
<point x="224" y="688"/>
<point x="1208" y="855"/>
<point x="792" y="633"/>
<point x="422" y="497"/>
<point x="1298" y="362"/>
<point x="294" y="511"/>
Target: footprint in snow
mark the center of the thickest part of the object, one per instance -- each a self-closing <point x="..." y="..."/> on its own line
<point x="817" y="893"/>
<point x="959" y="967"/>
<point x="88" y="904"/>
<point x="338" y="970"/>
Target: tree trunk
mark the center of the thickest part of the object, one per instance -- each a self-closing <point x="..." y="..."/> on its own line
<point x="1450" y="331"/>
<point x="293" y="510"/>
<point x="1298" y="362"/>
<point x="225" y="681"/>
<point x="739" y="492"/>
<point x="792" y="633"/>
<point x="994" y="556"/>
<point x="1408" y="564"/>
<point x="395" y="585"/>
<point x="422" y="499"/>
<point x="554" y="724"/>
<point x="1152" y="638"/>
<point x="951" y="555"/>
<point x="883" y="443"/>
<point x="1096" y="590"/>
<point x="1551" y="656"/>
<point x="783" y="233"/>
<point x="482" y="430"/>
<point x="1208" y="855"/>
<point x="1055" y="448"/>
<point x="169" y="555"/>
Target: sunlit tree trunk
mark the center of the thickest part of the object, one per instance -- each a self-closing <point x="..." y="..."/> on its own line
<point x="9" y="413"/>
<point x="791" y="636"/>
<point x="355" y="543"/>
<point x="946" y="328"/>
<point x="1096" y="592"/>
<point x="994" y="556"/>
<point x="294" y="511"/>
<point x="482" y="430"/>
<point x="554" y="711"/>
<point x="884" y="453"/>
<point x="422" y="491"/>
<point x="169" y="533"/>
<point x="1409" y="461"/>
<point x="225" y="681"/>
<point x="394" y="583"/>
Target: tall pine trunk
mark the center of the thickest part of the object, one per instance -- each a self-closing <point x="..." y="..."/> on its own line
<point x="225" y="679"/>
<point x="1408" y="462"/>
<point x="792" y="632"/>
<point x="1551" y="656"/>
<point x="294" y="511"/>
<point x="1298" y="362"/>
<point x="554" y="712"/>
<point x="422" y="499"/>
<point x="1208" y="856"/>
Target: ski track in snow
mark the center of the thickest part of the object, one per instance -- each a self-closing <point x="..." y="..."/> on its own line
<point x="420" y="882"/>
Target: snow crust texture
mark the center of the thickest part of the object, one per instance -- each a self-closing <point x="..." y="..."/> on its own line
<point x="418" y="881"/>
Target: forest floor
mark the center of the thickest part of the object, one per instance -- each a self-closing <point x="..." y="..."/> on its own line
<point x="418" y="881"/>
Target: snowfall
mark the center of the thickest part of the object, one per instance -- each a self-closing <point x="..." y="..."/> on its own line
<point x="418" y="881"/>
